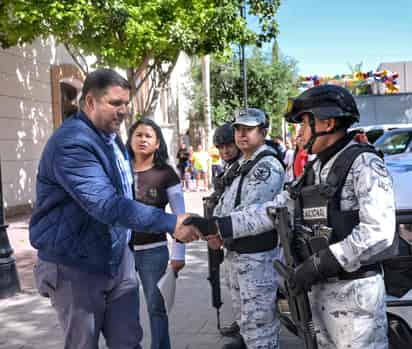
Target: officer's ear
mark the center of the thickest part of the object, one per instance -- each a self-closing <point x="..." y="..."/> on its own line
<point x="330" y="124"/>
<point x="263" y="131"/>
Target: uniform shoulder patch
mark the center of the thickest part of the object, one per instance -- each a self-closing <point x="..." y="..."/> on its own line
<point x="262" y="172"/>
<point x="379" y="167"/>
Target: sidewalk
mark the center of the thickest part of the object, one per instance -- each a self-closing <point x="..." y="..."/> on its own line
<point x="29" y="322"/>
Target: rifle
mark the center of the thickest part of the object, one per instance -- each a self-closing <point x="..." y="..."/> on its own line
<point x="299" y="305"/>
<point x="215" y="259"/>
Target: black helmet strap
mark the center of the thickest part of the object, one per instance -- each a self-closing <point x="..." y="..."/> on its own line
<point x="308" y="146"/>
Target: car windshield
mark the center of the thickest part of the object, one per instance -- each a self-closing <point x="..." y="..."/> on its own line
<point x="373" y="135"/>
<point x="394" y="143"/>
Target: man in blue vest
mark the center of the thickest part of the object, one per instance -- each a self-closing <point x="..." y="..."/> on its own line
<point x="83" y="217"/>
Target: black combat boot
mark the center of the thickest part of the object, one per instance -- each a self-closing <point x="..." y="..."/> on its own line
<point x="235" y="343"/>
<point x="231" y="330"/>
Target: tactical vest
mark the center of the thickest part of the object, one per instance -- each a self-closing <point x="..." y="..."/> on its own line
<point x="318" y="205"/>
<point x="258" y="243"/>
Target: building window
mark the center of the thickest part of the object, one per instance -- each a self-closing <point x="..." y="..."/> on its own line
<point x="66" y="84"/>
<point x="69" y="99"/>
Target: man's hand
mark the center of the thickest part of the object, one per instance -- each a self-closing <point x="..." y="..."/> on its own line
<point x="214" y="242"/>
<point x="185" y="233"/>
<point x="177" y="265"/>
<point x="206" y="226"/>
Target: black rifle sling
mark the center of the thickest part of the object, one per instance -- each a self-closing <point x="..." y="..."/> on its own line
<point x="341" y="167"/>
<point x="335" y="182"/>
<point x="244" y="170"/>
<point x="258" y="243"/>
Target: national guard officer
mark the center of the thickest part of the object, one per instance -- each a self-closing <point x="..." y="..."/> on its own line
<point x="345" y="197"/>
<point x="346" y="193"/>
<point x="253" y="280"/>
<point x="224" y="141"/>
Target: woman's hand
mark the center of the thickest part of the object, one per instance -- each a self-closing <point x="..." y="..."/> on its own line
<point x="177" y="265"/>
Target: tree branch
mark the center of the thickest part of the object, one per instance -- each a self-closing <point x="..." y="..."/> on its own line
<point x="75" y="59"/>
<point x="159" y="81"/>
<point x="141" y="82"/>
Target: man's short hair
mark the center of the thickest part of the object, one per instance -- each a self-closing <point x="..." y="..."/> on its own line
<point x="98" y="81"/>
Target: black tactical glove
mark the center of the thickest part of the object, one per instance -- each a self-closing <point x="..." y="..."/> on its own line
<point x="299" y="243"/>
<point x="207" y="226"/>
<point x="318" y="267"/>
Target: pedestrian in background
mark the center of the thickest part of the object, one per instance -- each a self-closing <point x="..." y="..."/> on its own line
<point x="216" y="163"/>
<point x="191" y="171"/>
<point x="279" y="146"/>
<point x="288" y="160"/>
<point x="82" y="219"/>
<point x="201" y="163"/>
<point x="156" y="184"/>
<point x="182" y="160"/>
<point x="300" y="159"/>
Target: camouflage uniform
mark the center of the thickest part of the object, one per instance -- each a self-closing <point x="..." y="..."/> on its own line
<point x="252" y="278"/>
<point x="346" y="313"/>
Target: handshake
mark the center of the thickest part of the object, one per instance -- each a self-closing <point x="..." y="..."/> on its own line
<point x="191" y="227"/>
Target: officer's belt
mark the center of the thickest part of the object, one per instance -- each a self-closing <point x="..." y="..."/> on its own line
<point x="253" y="244"/>
<point x="363" y="272"/>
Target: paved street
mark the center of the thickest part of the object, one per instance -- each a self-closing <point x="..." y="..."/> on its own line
<point x="29" y="322"/>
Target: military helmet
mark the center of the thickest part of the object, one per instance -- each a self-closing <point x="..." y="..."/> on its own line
<point x="251" y="117"/>
<point x="324" y="102"/>
<point x="224" y="135"/>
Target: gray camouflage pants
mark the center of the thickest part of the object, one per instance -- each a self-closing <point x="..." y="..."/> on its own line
<point x="253" y="286"/>
<point x="350" y="314"/>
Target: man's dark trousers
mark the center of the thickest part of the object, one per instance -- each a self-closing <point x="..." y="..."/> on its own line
<point x="88" y="304"/>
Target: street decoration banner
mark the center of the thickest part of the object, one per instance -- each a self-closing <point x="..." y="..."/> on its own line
<point x="381" y="82"/>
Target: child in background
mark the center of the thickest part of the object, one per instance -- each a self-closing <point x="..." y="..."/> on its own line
<point x="187" y="179"/>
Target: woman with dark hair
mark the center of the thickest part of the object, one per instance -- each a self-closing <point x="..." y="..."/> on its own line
<point x="156" y="184"/>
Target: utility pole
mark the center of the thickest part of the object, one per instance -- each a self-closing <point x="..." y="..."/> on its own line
<point x="242" y="59"/>
<point x="206" y="100"/>
<point x="9" y="281"/>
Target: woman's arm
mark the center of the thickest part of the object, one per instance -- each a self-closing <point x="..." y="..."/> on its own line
<point x="177" y="205"/>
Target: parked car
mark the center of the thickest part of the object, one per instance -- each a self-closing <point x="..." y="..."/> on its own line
<point x="395" y="141"/>
<point x="400" y="167"/>
<point x="373" y="132"/>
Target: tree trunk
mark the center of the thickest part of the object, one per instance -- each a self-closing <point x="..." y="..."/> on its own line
<point x="206" y="101"/>
<point x="131" y="77"/>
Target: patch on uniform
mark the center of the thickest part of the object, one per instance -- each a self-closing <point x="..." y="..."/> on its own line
<point x="262" y="172"/>
<point x="315" y="213"/>
<point x="379" y="167"/>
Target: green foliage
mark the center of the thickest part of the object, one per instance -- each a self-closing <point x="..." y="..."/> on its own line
<point x="270" y="83"/>
<point x="123" y="33"/>
<point x="131" y="34"/>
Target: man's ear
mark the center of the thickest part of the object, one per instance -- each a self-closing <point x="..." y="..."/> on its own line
<point x="89" y="101"/>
